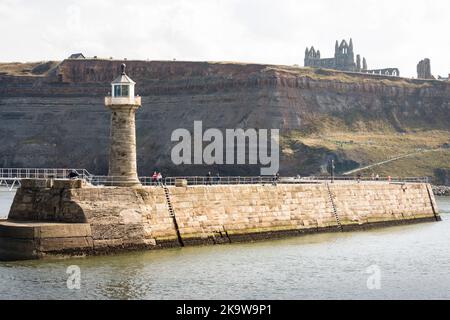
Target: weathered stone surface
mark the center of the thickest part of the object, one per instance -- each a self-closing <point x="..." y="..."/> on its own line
<point x="37" y="183"/>
<point x="18" y="249"/>
<point x="67" y="244"/>
<point x="30" y="240"/>
<point x="10" y="229"/>
<point x="132" y="218"/>
<point x="69" y="184"/>
<point x="181" y="183"/>
<point x="46" y="204"/>
<point x="122" y="156"/>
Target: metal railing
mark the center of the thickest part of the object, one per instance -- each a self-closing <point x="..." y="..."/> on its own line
<point x="373" y="179"/>
<point x="9" y="184"/>
<point x="191" y="180"/>
<point x="122" y="101"/>
<point x="16" y="174"/>
<point x="205" y="180"/>
<point x="42" y="173"/>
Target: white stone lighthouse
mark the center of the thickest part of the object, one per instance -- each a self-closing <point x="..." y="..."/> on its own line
<point x="122" y="157"/>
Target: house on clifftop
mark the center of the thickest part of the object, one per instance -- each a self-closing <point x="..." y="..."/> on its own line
<point x="77" y="56"/>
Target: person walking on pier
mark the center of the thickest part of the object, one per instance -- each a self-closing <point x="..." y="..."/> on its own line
<point x="154" y="178"/>
<point x="218" y="178"/>
<point x="73" y="174"/>
<point x="208" y="178"/>
<point x="159" y="178"/>
<point x="275" y="179"/>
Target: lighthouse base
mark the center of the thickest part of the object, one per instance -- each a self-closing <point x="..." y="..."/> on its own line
<point x="123" y="182"/>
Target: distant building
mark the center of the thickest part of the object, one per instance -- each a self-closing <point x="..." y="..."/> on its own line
<point x="424" y="69"/>
<point x="77" y="56"/>
<point x="344" y="60"/>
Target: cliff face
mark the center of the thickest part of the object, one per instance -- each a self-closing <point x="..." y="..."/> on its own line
<point x="57" y="118"/>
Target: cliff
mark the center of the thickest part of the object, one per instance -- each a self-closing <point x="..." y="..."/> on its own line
<point x="52" y="114"/>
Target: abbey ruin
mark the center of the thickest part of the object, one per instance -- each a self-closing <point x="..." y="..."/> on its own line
<point x="344" y="60"/>
<point x="424" y="69"/>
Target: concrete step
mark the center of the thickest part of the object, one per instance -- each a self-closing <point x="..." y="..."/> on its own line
<point x="31" y="240"/>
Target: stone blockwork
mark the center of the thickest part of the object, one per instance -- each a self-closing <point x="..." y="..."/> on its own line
<point x="29" y="240"/>
<point x="133" y="218"/>
<point x="122" y="157"/>
<point x="246" y="211"/>
<point x="364" y="204"/>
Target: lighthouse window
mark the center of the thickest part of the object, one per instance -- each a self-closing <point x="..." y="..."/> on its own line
<point x="121" y="90"/>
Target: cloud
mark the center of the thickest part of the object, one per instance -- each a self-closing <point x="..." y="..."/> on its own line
<point x="388" y="33"/>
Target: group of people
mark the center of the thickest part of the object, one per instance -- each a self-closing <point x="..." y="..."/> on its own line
<point x="157" y="178"/>
<point x="374" y="177"/>
<point x="210" y="179"/>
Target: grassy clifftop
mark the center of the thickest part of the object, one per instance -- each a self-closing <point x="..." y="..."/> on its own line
<point x="140" y="69"/>
<point x="27" y="68"/>
<point x="351" y="77"/>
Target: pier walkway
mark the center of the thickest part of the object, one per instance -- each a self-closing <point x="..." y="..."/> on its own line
<point x="11" y="178"/>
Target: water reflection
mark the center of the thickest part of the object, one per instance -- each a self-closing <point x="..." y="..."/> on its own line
<point x="413" y="261"/>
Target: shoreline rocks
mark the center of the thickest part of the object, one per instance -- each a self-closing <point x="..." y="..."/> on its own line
<point x="441" y="190"/>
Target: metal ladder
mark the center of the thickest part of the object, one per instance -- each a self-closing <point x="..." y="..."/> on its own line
<point x="172" y="214"/>
<point x="333" y="205"/>
<point x="435" y="213"/>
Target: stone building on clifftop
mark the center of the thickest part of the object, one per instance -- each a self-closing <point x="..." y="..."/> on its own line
<point x="77" y="56"/>
<point x="344" y="60"/>
<point x="424" y="69"/>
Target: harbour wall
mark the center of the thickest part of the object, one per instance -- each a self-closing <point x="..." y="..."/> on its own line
<point x="71" y="217"/>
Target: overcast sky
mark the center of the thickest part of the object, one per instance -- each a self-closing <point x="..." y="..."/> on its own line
<point x="389" y="33"/>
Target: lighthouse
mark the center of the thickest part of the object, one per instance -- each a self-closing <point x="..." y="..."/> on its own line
<point x="122" y="157"/>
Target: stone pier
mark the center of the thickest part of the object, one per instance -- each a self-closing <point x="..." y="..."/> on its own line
<point x="82" y="219"/>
